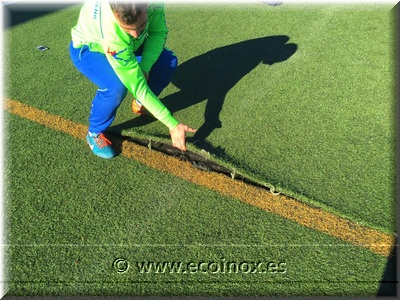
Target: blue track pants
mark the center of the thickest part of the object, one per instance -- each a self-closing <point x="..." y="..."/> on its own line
<point x="111" y="91"/>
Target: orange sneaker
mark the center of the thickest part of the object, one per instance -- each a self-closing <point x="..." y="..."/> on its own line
<point x="139" y="109"/>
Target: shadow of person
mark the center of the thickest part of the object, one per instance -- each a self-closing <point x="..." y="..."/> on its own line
<point x="389" y="282"/>
<point x="211" y="75"/>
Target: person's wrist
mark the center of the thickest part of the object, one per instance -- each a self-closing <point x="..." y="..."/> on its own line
<point x="173" y="126"/>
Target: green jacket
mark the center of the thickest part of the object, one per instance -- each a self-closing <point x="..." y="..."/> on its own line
<point x="98" y="28"/>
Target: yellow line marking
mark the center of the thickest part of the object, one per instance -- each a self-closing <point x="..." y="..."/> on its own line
<point x="311" y="217"/>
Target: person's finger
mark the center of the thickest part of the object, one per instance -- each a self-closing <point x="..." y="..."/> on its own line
<point x="191" y="129"/>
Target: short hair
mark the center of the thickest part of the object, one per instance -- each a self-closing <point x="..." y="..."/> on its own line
<point x="129" y="11"/>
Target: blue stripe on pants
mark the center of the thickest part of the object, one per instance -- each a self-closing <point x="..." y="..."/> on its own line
<point x="111" y="91"/>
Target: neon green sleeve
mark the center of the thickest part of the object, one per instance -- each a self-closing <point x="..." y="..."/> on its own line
<point x="132" y="77"/>
<point x="157" y="35"/>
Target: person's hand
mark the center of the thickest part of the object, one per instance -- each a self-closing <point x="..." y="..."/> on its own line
<point x="178" y="135"/>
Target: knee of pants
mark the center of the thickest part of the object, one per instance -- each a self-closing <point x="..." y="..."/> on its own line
<point x="167" y="61"/>
<point x="115" y="94"/>
<point x="162" y="71"/>
<point x="173" y="60"/>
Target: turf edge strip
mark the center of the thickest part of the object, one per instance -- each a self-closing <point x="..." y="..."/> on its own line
<point x="289" y="208"/>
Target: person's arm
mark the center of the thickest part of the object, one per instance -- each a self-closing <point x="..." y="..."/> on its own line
<point x="129" y="72"/>
<point x="157" y="35"/>
<point x="132" y="77"/>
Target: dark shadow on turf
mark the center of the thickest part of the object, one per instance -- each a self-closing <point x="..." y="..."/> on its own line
<point x="18" y="13"/>
<point x="389" y="282"/>
<point x="211" y="75"/>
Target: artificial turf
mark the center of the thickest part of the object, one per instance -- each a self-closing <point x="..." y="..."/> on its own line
<point x="300" y="98"/>
<point x="71" y="215"/>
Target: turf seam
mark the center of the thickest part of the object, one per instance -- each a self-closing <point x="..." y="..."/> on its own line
<point x="284" y="206"/>
<point x="197" y="160"/>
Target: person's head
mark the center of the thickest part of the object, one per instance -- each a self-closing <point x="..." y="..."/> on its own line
<point x="131" y="16"/>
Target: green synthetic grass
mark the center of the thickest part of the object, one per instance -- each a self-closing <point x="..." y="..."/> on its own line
<point x="70" y="215"/>
<point x="318" y="126"/>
